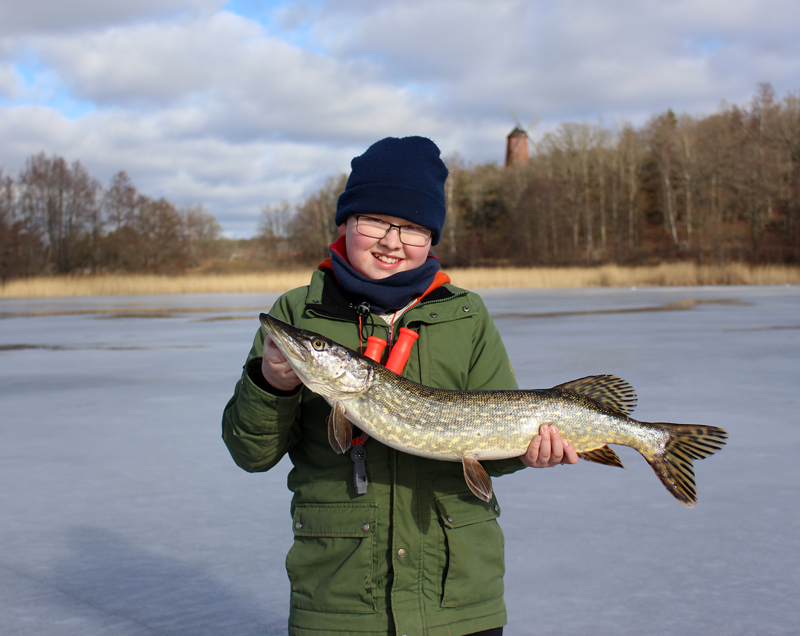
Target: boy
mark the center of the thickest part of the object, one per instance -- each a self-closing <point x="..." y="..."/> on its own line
<point x="417" y="553"/>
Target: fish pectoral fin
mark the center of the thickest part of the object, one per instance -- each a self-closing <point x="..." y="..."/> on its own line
<point x="340" y="431"/>
<point x="602" y="455"/>
<point x="477" y="478"/>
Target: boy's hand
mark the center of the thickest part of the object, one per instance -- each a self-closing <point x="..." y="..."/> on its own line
<point x="548" y="449"/>
<point x="276" y="369"/>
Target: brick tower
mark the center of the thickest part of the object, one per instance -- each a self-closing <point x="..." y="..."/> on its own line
<point x="517" y="147"/>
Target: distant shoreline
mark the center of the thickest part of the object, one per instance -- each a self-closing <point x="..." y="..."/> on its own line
<point x="664" y="275"/>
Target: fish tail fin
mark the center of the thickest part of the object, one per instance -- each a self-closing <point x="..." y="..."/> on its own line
<point x="673" y="463"/>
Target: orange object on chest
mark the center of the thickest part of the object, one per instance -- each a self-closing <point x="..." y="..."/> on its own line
<point x="400" y="352"/>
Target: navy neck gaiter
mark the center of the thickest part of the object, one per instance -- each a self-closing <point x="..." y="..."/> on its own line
<point x="386" y="294"/>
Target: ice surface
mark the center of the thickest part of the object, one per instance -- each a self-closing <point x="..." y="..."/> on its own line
<point x="122" y="513"/>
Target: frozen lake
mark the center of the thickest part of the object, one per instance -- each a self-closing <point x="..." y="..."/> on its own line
<point x="122" y="513"/>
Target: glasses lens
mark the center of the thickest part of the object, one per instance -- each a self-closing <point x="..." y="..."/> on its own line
<point x="374" y="228"/>
<point x="415" y="236"/>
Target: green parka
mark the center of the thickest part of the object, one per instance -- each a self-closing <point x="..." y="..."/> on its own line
<point x="418" y="553"/>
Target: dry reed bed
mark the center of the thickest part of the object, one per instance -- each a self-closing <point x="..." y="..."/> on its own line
<point x="664" y="275"/>
<point x="677" y="274"/>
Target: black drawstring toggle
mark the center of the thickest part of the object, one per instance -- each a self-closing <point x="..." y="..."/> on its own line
<point x="363" y="309"/>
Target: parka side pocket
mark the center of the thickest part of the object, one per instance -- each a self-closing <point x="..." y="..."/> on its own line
<point x="474" y="550"/>
<point x="331" y="565"/>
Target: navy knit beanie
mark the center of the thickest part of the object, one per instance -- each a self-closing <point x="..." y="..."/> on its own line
<point x="397" y="177"/>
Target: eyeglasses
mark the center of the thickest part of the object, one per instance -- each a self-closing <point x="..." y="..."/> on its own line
<point x="413" y="235"/>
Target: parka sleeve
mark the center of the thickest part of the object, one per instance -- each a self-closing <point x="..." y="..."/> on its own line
<point x="258" y="427"/>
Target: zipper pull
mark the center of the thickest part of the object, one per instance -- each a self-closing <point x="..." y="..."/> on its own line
<point x="359" y="456"/>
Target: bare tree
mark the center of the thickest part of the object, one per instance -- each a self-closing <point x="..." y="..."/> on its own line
<point x="454" y="228"/>
<point x="119" y="201"/>
<point x="630" y="152"/>
<point x="202" y="233"/>
<point x="687" y="159"/>
<point x="60" y="201"/>
<point x="274" y="232"/>
<point x="10" y="259"/>
<point x="162" y="236"/>
<point x="788" y="142"/>
<point x="662" y="147"/>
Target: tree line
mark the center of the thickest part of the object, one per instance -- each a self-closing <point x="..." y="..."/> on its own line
<point x="711" y="189"/>
<point x="719" y="188"/>
<point x="57" y="219"/>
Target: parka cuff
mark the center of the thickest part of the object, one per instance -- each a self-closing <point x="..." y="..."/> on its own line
<point x="265" y="409"/>
<point x="259" y="428"/>
<point x="253" y="370"/>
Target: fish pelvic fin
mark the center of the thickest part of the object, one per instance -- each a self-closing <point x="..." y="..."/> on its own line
<point x="477" y="478"/>
<point x="609" y="391"/>
<point x="340" y="431"/>
<point x="602" y="455"/>
<point x="674" y="465"/>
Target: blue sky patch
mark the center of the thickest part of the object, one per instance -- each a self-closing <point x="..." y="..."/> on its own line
<point x="40" y="86"/>
<point x="264" y="13"/>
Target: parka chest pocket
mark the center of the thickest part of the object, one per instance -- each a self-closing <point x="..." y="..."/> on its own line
<point x="331" y="564"/>
<point x="473" y="560"/>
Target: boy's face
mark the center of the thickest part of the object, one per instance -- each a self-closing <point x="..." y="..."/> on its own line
<point x="380" y="258"/>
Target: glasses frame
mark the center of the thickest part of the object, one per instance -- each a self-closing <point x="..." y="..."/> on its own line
<point x="389" y="229"/>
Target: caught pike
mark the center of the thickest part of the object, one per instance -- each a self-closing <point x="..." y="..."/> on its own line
<point x="470" y="426"/>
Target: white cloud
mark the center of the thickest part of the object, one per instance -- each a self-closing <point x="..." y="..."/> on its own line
<point x="9" y="86"/>
<point x="224" y="76"/>
<point x="567" y="59"/>
<point x="38" y="16"/>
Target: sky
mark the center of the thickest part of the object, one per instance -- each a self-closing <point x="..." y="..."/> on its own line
<point x="241" y="104"/>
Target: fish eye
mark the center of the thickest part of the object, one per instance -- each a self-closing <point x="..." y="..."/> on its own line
<point x="318" y="344"/>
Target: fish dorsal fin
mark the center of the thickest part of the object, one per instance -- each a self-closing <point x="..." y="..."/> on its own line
<point x="607" y="390"/>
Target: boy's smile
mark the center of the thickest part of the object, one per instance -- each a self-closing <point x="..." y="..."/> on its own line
<point x="380" y="258"/>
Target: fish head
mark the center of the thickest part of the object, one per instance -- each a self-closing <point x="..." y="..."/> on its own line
<point x="324" y="366"/>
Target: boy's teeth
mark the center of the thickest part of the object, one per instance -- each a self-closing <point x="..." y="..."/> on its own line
<point x="387" y="259"/>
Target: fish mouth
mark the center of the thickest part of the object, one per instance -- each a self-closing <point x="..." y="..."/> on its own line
<point x="328" y="375"/>
<point x="292" y="342"/>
